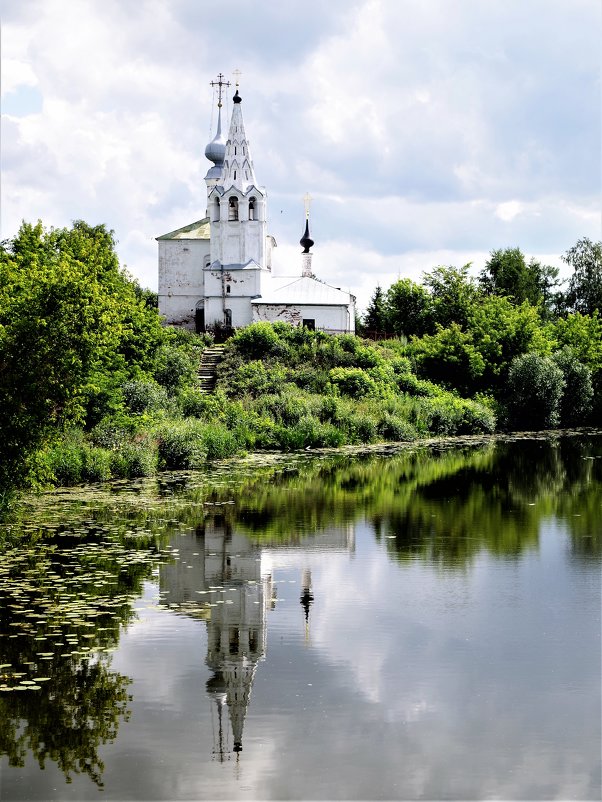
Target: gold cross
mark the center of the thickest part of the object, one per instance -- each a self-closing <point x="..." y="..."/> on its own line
<point x="307" y="199"/>
<point x="220" y="83"/>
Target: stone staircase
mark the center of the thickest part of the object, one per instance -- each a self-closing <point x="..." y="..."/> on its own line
<point x="210" y="359"/>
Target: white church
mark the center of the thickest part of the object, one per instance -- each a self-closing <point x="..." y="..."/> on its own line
<point x="217" y="272"/>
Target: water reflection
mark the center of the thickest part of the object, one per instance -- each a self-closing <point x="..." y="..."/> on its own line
<point x="426" y="578"/>
<point x="222" y="577"/>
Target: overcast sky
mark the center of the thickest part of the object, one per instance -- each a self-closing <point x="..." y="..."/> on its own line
<point x="427" y="131"/>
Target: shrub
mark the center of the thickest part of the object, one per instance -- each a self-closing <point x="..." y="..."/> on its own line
<point x="181" y="445"/>
<point x="96" y="464"/>
<point x="195" y="404"/>
<point x="256" y="341"/>
<point x="144" y="396"/>
<point x="309" y="432"/>
<point x="362" y="428"/>
<point x="534" y="391"/>
<point x="411" y="384"/>
<point x="175" y="367"/>
<point x="111" y="432"/>
<point x="254" y="378"/>
<point x="135" y="459"/>
<point x="219" y="442"/>
<point x="577" y="399"/>
<point x="391" y="427"/>
<point x="65" y="461"/>
<point x="352" y="382"/>
<point x="477" y="418"/>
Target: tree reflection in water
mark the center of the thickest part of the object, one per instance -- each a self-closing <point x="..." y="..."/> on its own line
<point x="67" y="586"/>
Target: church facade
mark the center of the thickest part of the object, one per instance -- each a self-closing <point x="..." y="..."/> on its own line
<point x="217" y="272"/>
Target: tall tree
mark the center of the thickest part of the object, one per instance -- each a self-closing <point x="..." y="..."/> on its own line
<point x="507" y="273"/>
<point x="375" y="319"/>
<point x="584" y="293"/>
<point x="410" y="308"/>
<point x="453" y="292"/>
<point x="72" y="329"/>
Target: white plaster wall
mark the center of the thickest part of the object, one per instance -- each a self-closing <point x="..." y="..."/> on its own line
<point x="238" y="241"/>
<point x="181" y="280"/>
<point x="328" y="318"/>
<point x="179" y="310"/>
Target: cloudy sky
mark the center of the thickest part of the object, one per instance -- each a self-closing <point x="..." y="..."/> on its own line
<point x="427" y="131"/>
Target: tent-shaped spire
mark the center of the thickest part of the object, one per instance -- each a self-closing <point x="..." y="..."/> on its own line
<point x="238" y="169"/>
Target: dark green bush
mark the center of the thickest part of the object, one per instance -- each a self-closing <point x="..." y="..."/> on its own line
<point x="144" y="396"/>
<point x="577" y="399"/>
<point x="534" y="392"/>
<point x="176" y="367"/>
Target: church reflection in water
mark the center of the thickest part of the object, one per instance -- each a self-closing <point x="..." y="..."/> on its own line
<point x="225" y="579"/>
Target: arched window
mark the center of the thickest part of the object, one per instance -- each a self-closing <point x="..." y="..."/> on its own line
<point x="216" y="210"/>
<point x="233" y="209"/>
<point x="252" y="210"/>
<point x="228" y="317"/>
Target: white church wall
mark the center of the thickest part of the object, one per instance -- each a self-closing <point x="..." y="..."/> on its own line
<point x="335" y="319"/>
<point x="181" y="282"/>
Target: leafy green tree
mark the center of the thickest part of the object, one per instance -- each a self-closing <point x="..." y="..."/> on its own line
<point x="584" y="293"/>
<point x="534" y="392"/>
<point x="72" y="329"/>
<point x="507" y="273"/>
<point x="449" y="357"/>
<point x="375" y="319"/>
<point x="409" y="309"/>
<point x="583" y="334"/>
<point x="501" y="332"/>
<point x="453" y="293"/>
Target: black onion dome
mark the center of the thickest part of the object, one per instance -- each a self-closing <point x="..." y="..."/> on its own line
<point x="306" y="241"/>
<point x="237" y="98"/>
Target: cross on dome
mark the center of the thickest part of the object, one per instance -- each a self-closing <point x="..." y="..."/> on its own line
<point x="220" y="83"/>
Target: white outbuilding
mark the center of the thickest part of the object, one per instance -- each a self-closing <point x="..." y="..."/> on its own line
<point x="217" y="272"/>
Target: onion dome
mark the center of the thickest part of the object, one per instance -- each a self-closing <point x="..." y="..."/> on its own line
<point x="237" y="98"/>
<point x="216" y="149"/>
<point x="306" y="241"/>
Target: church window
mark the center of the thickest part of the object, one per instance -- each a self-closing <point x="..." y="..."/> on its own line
<point x="233" y="208"/>
<point x="216" y="214"/>
<point x="235" y="175"/>
<point x="228" y="317"/>
<point x="228" y="289"/>
<point x="235" y="150"/>
<point x="252" y="209"/>
<point x="309" y="323"/>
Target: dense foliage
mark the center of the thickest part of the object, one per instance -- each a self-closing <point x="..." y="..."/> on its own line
<point x="93" y="386"/>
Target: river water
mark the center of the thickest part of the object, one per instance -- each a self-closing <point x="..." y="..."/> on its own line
<point x="420" y="623"/>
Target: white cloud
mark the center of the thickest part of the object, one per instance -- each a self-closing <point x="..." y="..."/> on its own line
<point x="423" y="131"/>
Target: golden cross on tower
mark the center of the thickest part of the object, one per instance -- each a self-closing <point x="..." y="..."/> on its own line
<point x="220" y="83"/>
<point x="237" y="74"/>
<point x="307" y="199"/>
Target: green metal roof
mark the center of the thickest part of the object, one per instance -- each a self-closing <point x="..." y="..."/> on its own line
<point x="198" y="230"/>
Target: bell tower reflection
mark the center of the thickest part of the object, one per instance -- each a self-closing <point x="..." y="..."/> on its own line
<point x="217" y="577"/>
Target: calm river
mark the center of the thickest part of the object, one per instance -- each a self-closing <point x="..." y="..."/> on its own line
<point x="412" y="624"/>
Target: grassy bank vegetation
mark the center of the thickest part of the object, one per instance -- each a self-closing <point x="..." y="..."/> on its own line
<point x="93" y="387"/>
